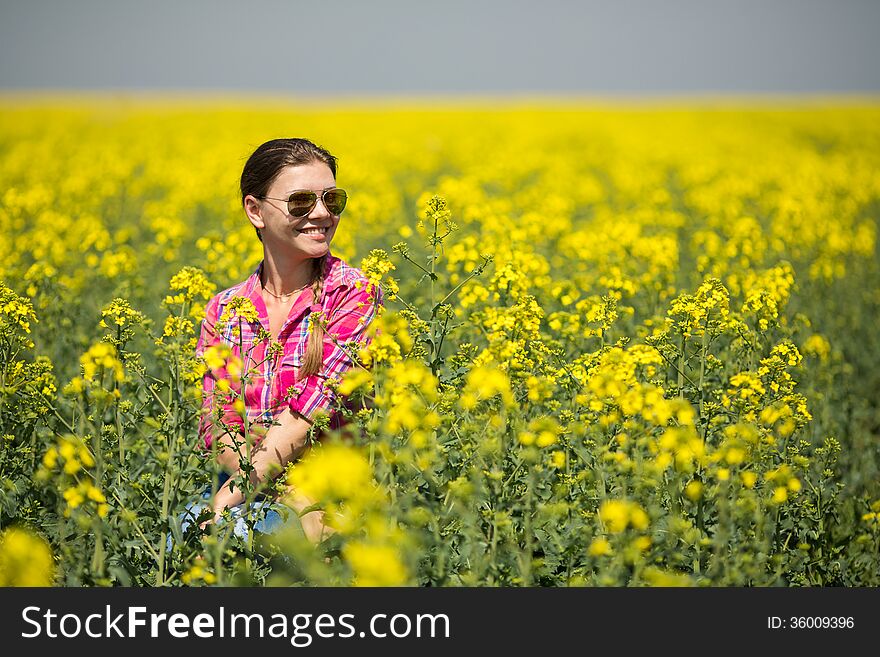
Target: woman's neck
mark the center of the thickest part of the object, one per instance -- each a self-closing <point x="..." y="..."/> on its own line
<point x="285" y="276"/>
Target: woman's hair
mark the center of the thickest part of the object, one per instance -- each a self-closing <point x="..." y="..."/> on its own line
<point x="259" y="172"/>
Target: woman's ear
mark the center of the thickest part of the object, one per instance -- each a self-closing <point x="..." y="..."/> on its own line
<point x="254" y="211"/>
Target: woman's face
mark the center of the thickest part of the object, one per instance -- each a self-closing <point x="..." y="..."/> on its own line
<point x="309" y="236"/>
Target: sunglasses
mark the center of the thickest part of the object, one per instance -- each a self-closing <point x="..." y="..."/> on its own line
<point x="302" y="201"/>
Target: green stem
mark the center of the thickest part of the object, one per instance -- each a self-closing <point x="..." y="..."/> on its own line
<point x="97" y="448"/>
<point x="408" y="259"/>
<point x="475" y="272"/>
<point x="526" y="568"/>
<point x="166" y="490"/>
<point x="171" y="440"/>
<point x="702" y="377"/>
<point x="681" y="361"/>
<point x="116" y="409"/>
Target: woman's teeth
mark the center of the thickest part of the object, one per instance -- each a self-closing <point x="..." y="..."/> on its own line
<point x="312" y="231"/>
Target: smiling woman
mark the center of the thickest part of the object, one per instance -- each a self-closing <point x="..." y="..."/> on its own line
<point x="269" y="360"/>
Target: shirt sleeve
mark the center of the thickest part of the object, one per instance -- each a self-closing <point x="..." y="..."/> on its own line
<point x="348" y="325"/>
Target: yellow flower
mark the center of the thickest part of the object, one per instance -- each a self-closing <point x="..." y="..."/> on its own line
<point x="67" y="449"/>
<point x="486" y="381"/>
<point x="734" y="456"/>
<point x="121" y="314"/>
<point x="215" y="356"/>
<point x="15" y="310"/>
<point x="238" y="405"/>
<point x="546" y="438"/>
<point x="101" y="357"/>
<point x="375" y="565"/>
<point x="375" y="265"/>
<point x="617" y="515"/>
<point x="238" y="308"/>
<point x="749" y="478"/>
<point x="198" y="572"/>
<point x="95" y="494"/>
<point x="85" y="457"/>
<point x="355" y="379"/>
<point x="642" y="543"/>
<point x="193" y="283"/>
<point x="177" y="326"/>
<point x="526" y="438"/>
<point x="74" y="497"/>
<point x="77" y="385"/>
<point x="388" y="339"/>
<point x="599" y="547"/>
<point x="694" y="490"/>
<point x="234" y="367"/>
<point x="50" y="458"/>
<point x="638" y="518"/>
<point x="658" y="577"/>
<point x="25" y="559"/>
<point x="71" y="467"/>
<point x="333" y="472"/>
<point x="557" y="458"/>
<point x="780" y="495"/>
<point x="818" y="346"/>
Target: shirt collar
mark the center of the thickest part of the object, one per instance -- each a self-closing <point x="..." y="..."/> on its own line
<point x="334" y="277"/>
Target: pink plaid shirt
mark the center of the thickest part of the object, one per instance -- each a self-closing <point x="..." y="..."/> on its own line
<point x="274" y="381"/>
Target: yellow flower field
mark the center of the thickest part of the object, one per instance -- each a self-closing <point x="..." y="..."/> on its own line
<point x="624" y="344"/>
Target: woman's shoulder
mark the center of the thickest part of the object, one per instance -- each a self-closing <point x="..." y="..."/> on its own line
<point x="348" y="286"/>
<point x="216" y="304"/>
<point x="342" y="274"/>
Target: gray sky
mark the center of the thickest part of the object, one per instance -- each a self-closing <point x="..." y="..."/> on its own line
<point x="443" y="46"/>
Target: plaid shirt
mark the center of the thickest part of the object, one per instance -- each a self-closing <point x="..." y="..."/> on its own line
<point x="274" y="382"/>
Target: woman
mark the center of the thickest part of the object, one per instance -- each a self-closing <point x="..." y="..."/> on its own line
<point x="289" y="194"/>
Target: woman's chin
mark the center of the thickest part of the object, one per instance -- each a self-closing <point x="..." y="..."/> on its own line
<point x="301" y="248"/>
<point x="316" y="250"/>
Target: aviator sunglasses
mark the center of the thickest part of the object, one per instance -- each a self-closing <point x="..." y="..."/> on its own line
<point x="302" y="201"/>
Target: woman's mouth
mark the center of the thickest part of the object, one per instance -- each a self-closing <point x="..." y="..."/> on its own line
<point x="315" y="233"/>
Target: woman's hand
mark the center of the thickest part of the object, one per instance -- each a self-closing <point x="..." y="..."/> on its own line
<point x="224" y="498"/>
<point x="313" y="521"/>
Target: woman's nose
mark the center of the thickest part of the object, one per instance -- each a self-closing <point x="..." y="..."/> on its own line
<point x="320" y="210"/>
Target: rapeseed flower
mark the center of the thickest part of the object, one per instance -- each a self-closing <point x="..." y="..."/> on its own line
<point x="618" y="515"/>
<point x="101" y="357"/>
<point x="484" y="382"/>
<point x="334" y="472"/>
<point x="375" y="565"/>
<point x="25" y="559"/>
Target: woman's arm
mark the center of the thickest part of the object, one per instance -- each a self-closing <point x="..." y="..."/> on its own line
<point x="348" y="325"/>
<point x="283" y="443"/>
<point x="227" y="452"/>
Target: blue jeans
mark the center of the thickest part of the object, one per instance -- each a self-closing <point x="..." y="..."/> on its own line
<point x="271" y="516"/>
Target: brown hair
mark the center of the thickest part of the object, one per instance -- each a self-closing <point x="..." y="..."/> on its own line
<point x="259" y="172"/>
